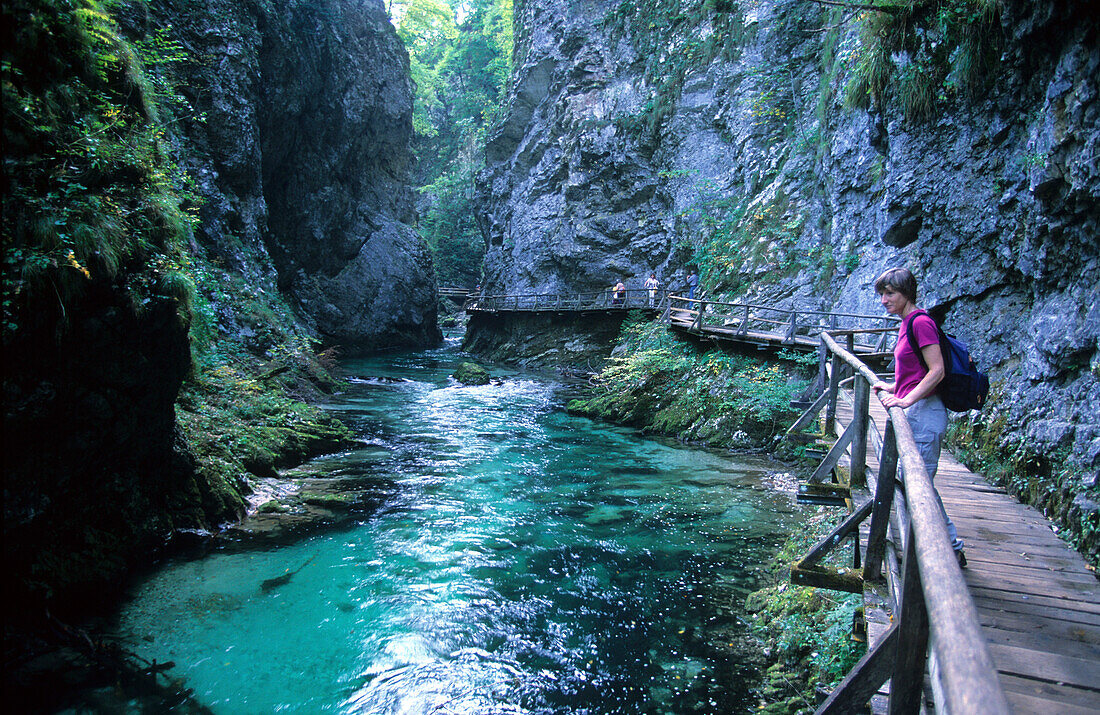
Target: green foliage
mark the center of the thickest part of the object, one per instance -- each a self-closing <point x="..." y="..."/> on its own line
<point x="665" y="385"/>
<point x="239" y="424"/>
<point x="460" y="56"/>
<point x="95" y="202"/>
<point x="91" y="189"/>
<point x="807" y="631"/>
<point x="922" y="53"/>
<point x="773" y="109"/>
<point x="745" y="239"/>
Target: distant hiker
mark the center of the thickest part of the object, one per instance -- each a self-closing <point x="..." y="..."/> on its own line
<point x="651" y="285"/>
<point x="692" y="282"/>
<point x="914" y="386"/>
<point x="618" y="294"/>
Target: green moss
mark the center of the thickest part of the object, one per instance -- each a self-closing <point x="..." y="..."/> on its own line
<point x="921" y="54"/>
<point x="239" y="425"/>
<point x="327" y="501"/>
<point x="806" y="631"/>
<point x="469" y="373"/>
<point x="667" y="386"/>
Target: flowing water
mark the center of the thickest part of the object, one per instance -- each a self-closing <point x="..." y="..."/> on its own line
<point x="506" y="557"/>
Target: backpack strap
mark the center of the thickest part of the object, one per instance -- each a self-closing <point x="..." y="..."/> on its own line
<point x="911" y="334"/>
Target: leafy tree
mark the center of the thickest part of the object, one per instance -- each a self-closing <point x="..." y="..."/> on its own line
<point x="460" y="57"/>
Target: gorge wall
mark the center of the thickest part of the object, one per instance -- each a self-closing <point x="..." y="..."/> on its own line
<point x="796" y="150"/>
<point x="198" y="198"/>
<point x="299" y="143"/>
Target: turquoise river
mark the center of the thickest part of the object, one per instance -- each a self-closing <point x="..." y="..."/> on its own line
<point x="497" y="555"/>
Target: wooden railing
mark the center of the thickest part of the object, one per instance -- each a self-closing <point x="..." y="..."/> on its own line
<point x="934" y="622"/>
<point x="865" y="333"/>
<point x="628" y="299"/>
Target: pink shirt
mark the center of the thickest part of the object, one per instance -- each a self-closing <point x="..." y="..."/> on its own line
<point x="907" y="368"/>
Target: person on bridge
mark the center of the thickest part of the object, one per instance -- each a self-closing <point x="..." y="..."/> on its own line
<point x="619" y="294"/>
<point x="914" y="387"/>
<point x="651" y="285"/>
<point x="692" y="283"/>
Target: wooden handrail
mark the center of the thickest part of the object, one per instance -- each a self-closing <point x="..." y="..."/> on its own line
<point x="936" y="597"/>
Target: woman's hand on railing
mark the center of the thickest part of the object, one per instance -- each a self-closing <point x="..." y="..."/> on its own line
<point x="889" y="399"/>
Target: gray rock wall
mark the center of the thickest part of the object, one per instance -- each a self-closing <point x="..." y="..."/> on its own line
<point x="992" y="201"/>
<point x="299" y="144"/>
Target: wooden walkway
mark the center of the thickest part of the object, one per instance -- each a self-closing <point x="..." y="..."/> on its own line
<point x="1038" y="603"/>
<point x="767" y="327"/>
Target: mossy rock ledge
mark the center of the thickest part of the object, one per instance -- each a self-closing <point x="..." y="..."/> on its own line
<point x="470" y="373"/>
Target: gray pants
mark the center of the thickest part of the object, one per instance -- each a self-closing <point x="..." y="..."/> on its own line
<point x="928" y="418"/>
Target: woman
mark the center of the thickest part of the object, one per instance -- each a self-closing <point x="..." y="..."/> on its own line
<point x="914" y="385"/>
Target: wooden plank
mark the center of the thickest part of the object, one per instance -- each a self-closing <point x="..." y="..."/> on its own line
<point x="1065" y="698"/>
<point x="1022" y="632"/>
<point x="1023" y="703"/>
<point x="1065" y="609"/>
<point x="1080" y="672"/>
<point x="980" y="562"/>
<point x="1035" y="606"/>
<point x="1050" y="586"/>
<point x="1052" y="555"/>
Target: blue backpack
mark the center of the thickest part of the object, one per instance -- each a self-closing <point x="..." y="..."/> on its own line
<point x="963" y="388"/>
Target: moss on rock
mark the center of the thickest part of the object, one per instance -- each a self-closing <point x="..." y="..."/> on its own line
<point x="470" y="373"/>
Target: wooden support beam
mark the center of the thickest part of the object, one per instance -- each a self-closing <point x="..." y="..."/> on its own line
<point x="833" y="457"/>
<point x="861" y="419"/>
<point x="834" y="389"/>
<point x="847" y="580"/>
<point x="884" y="501"/>
<point x="907" y="681"/>
<point x="843" y="530"/>
<point x="864" y="680"/>
<point x="809" y="415"/>
<point x="824" y="494"/>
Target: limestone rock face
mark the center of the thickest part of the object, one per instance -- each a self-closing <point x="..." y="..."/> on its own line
<point x="571" y="205"/>
<point x="632" y="143"/>
<point x="302" y="159"/>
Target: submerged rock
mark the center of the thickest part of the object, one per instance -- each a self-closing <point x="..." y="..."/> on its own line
<point x="470" y="373"/>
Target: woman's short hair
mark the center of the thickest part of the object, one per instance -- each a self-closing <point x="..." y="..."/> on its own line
<point x="900" y="280"/>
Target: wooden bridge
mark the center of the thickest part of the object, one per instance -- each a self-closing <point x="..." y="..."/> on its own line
<point x="595" y="302"/>
<point x="745" y="323"/>
<point x="1017" y="631"/>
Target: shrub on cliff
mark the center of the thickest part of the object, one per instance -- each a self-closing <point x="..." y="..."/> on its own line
<point x="663" y="384"/>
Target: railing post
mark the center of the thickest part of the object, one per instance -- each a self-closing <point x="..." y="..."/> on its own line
<point x="912" y="654"/>
<point x="699" y="317"/>
<point x="861" y="415"/>
<point x="792" y="328"/>
<point x="884" y="501"/>
<point x="822" y="361"/>
<point x="834" y="390"/>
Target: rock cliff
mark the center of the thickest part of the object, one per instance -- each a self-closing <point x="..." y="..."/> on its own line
<point x="299" y="143"/>
<point x="156" y="354"/>
<point x="795" y="152"/>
